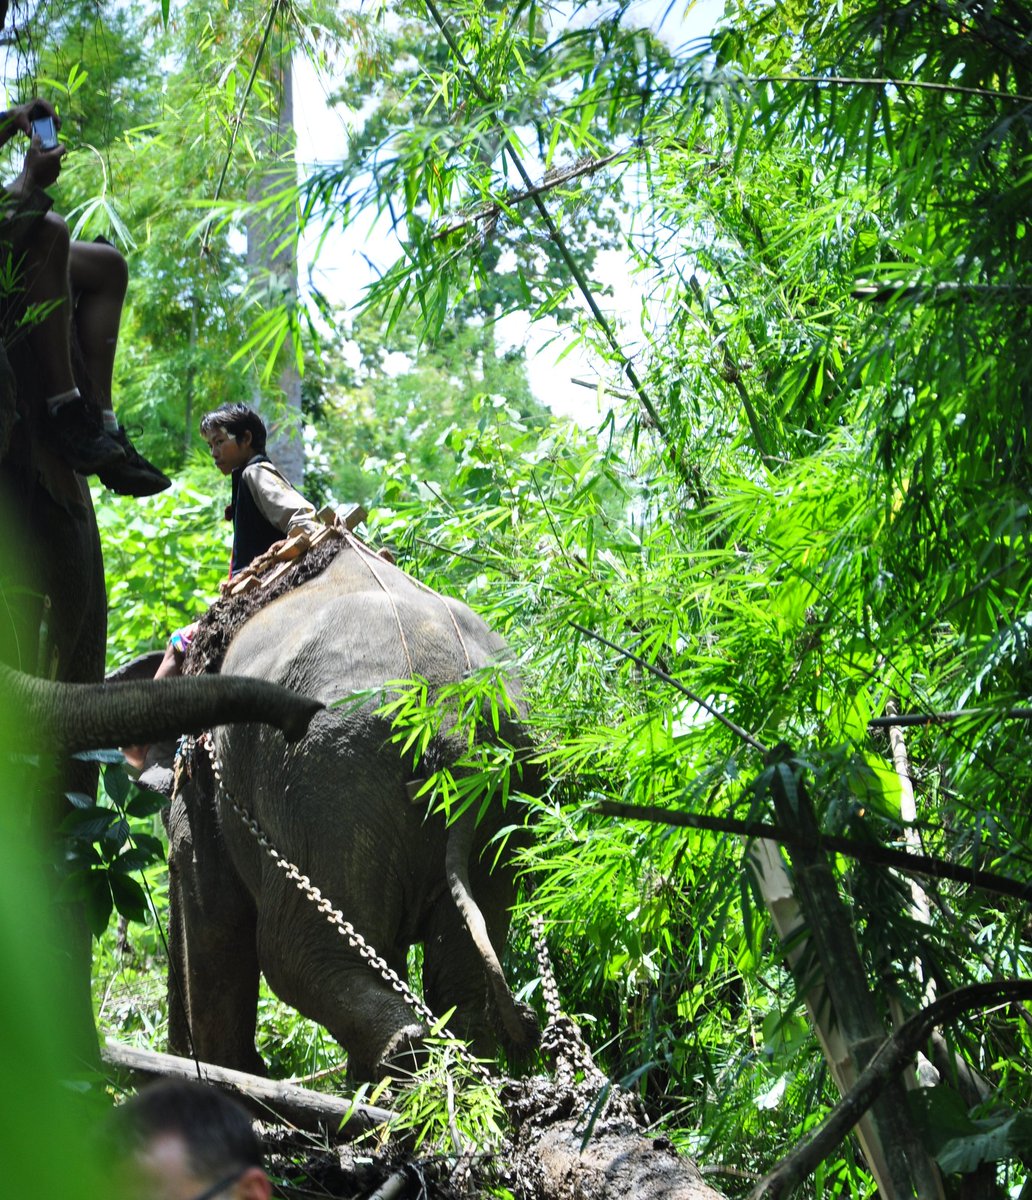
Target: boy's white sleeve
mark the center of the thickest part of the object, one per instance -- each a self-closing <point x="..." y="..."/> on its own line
<point x="280" y="503"/>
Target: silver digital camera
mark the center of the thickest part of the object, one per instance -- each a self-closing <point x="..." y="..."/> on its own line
<point x="46" y="131"/>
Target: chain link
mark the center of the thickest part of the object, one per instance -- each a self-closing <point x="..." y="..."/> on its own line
<point x="549" y="987"/>
<point x="561" y="1038"/>
<point x="333" y="915"/>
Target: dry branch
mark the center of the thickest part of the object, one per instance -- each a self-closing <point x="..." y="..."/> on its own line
<point x="892" y="720"/>
<point x="267" y="1098"/>
<point x="923" y="865"/>
<point x="891" y="1058"/>
<point x="487" y="214"/>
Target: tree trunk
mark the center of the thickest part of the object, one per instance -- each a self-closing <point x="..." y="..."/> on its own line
<point x="822" y="954"/>
<point x="272" y="263"/>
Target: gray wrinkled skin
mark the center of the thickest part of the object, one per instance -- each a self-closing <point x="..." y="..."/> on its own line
<point x="335" y="803"/>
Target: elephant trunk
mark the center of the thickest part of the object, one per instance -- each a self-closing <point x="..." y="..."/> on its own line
<point x="85" y="716"/>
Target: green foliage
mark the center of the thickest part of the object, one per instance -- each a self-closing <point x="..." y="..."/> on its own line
<point x="961" y="1141"/>
<point x="130" y="1000"/>
<point x="163" y="561"/>
<point x="107" y="844"/>
<point x="445" y="1106"/>
<point x="849" y="548"/>
<point x="472" y="715"/>
<point x="44" y="1101"/>
<point x="373" y="421"/>
<point x="296" y="1048"/>
<point x="829" y="232"/>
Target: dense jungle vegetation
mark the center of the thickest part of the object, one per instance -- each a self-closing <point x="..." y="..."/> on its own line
<point x="799" y="507"/>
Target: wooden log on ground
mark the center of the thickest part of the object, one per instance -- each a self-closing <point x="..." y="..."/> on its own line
<point x="547" y="1157"/>
<point x="268" y="1099"/>
<point x="617" y="1164"/>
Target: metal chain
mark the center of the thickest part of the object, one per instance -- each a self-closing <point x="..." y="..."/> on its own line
<point x="561" y="1039"/>
<point x="563" y="1043"/>
<point x="333" y="915"/>
<point x="549" y="987"/>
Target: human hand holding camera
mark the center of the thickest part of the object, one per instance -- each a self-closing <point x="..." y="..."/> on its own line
<point x="22" y="117"/>
<point x="42" y="163"/>
<point x="42" y="167"/>
<point x="43" y="124"/>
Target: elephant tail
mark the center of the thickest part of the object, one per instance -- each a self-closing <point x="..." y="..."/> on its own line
<point x="518" y="1020"/>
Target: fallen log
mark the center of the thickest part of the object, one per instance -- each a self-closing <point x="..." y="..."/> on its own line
<point x="269" y="1099"/>
<point x="546" y="1159"/>
<point x="618" y="1164"/>
<point x="585" y="1139"/>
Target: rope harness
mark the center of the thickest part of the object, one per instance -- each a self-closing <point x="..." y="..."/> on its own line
<point x="281" y="570"/>
<point x="370" y="558"/>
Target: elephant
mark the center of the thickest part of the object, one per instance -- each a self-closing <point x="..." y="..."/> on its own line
<point x="338" y="805"/>
<point x="54" y="618"/>
<point x="53" y="629"/>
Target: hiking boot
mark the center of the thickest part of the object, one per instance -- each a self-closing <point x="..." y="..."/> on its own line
<point x="134" y="475"/>
<point x="78" y="436"/>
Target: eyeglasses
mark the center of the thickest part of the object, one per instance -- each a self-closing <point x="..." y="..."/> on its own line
<point x="221" y="1186"/>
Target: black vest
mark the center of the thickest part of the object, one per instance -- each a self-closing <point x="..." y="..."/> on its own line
<point x="253" y="532"/>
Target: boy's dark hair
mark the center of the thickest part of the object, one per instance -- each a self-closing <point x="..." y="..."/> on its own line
<point x="215" y="1130"/>
<point x="236" y="419"/>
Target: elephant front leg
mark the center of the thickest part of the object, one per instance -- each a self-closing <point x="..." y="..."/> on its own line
<point x="213" y="959"/>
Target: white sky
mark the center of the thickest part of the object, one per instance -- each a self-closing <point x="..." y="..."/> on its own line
<point x="343" y="267"/>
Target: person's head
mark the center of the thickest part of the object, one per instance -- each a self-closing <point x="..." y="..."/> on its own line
<point x="235" y="434"/>
<point x="183" y="1140"/>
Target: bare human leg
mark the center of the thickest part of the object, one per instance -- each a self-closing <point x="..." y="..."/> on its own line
<point x="45" y="272"/>
<point x="100" y="278"/>
<point x="48" y="304"/>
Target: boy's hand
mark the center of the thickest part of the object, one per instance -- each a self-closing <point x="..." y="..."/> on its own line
<point x="19" y="115"/>
<point x="288" y="548"/>
<point x="42" y="167"/>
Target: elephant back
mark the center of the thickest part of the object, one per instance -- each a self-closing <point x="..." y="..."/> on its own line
<point x="358" y="625"/>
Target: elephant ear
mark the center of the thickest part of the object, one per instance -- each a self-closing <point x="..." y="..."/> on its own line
<point x="141" y="667"/>
<point x="157" y="774"/>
